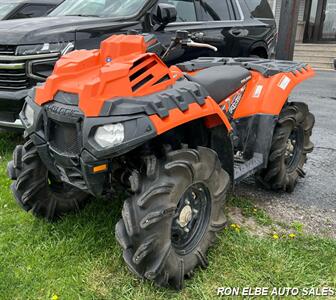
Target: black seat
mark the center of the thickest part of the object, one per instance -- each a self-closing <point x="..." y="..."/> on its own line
<point x="222" y="81"/>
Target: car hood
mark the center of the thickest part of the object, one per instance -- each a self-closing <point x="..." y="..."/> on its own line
<point x="54" y="29"/>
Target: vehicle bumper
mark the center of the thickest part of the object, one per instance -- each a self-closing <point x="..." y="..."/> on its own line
<point x="10" y="106"/>
<point x="16" y="125"/>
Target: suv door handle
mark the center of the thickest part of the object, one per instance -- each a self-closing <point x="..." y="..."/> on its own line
<point x="241" y="32"/>
<point x="236" y="32"/>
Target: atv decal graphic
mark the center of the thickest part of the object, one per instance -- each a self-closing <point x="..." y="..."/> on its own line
<point x="236" y="100"/>
<point x="258" y="91"/>
<point x="55" y="109"/>
<point x="284" y="82"/>
<point x="246" y="79"/>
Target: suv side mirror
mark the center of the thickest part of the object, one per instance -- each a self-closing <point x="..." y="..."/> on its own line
<point x="165" y="14"/>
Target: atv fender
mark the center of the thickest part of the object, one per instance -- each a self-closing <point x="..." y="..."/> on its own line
<point x="210" y="112"/>
<point x="269" y="94"/>
<point x="214" y="119"/>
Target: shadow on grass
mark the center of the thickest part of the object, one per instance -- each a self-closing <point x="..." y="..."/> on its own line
<point x="8" y="141"/>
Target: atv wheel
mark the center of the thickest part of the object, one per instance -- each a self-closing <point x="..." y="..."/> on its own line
<point x="290" y="146"/>
<point x="171" y="220"/>
<point x="37" y="191"/>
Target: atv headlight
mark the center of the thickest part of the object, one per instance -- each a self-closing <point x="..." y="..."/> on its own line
<point x="29" y="115"/>
<point x="110" y="135"/>
<point x="46" y="48"/>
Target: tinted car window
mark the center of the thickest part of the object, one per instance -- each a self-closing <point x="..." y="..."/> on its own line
<point x="32" y="11"/>
<point x="216" y="10"/>
<point x="186" y="11"/>
<point x="260" y="9"/>
<point x="99" y="8"/>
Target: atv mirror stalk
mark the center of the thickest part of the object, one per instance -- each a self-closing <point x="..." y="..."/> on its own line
<point x="165" y="14"/>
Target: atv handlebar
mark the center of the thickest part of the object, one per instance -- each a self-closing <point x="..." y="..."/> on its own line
<point x="200" y="37"/>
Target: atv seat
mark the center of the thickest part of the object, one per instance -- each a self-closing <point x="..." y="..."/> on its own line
<point x="221" y="81"/>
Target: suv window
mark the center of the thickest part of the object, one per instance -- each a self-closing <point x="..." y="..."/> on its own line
<point x="98" y="8"/>
<point x="217" y="10"/>
<point x="32" y="11"/>
<point x="186" y="10"/>
<point x="260" y="9"/>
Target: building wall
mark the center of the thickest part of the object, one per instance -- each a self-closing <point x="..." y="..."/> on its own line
<point x="276" y="7"/>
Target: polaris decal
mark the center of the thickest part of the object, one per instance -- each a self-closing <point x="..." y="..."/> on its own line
<point x="59" y="110"/>
<point x="236" y="100"/>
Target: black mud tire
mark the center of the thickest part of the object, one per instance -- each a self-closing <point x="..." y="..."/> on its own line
<point x="279" y="174"/>
<point x="33" y="189"/>
<point x="144" y="232"/>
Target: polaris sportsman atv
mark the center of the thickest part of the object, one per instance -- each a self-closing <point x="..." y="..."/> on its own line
<point x="175" y="138"/>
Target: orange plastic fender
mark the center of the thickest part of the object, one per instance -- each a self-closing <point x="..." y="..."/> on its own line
<point x="212" y="113"/>
<point x="267" y="95"/>
<point x="120" y="68"/>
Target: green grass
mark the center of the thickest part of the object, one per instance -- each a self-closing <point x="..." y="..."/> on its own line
<point x="78" y="257"/>
<point x="248" y="209"/>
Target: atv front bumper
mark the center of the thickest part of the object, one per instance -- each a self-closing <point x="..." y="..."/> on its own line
<point x="65" y="141"/>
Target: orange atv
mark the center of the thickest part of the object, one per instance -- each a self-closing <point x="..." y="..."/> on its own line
<point x="175" y="138"/>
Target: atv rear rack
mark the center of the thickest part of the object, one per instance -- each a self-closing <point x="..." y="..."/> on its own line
<point x="266" y="67"/>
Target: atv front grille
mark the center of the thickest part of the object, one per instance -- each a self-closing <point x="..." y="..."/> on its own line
<point x="64" y="138"/>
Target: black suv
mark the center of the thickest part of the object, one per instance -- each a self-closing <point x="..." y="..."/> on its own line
<point x="20" y="9"/>
<point x="30" y="48"/>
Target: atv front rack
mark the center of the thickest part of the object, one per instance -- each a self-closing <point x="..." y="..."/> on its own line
<point x="266" y="67"/>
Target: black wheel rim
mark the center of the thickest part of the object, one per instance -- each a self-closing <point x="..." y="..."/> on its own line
<point x="191" y="218"/>
<point x="294" y="149"/>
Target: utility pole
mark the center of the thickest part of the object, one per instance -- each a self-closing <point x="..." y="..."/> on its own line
<point x="287" y="29"/>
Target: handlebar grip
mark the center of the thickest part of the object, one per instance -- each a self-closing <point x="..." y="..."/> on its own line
<point x="211" y="39"/>
<point x="200" y="37"/>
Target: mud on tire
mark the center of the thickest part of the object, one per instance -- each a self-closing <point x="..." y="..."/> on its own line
<point x="149" y="217"/>
<point x="290" y="145"/>
<point x="35" y="191"/>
